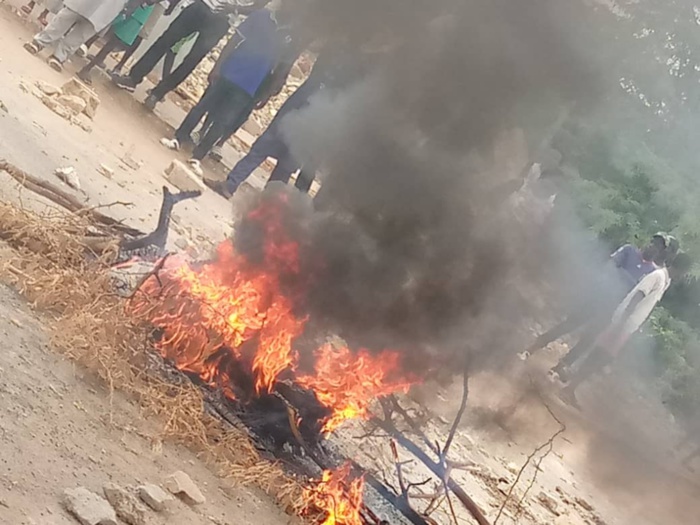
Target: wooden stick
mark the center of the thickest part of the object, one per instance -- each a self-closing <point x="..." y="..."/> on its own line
<point x="435" y="468"/>
<point x="64" y="199"/>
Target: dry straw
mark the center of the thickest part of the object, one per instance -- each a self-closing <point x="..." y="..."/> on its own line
<point x="53" y="267"/>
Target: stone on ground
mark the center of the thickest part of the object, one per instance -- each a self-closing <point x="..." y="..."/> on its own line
<point x="88" y="507"/>
<point x="184" y="488"/>
<point x="76" y="88"/>
<point x="125" y="504"/>
<point x="48" y="89"/>
<point x="53" y="104"/>
<point x="154" y="496"/>
<point x="183" y="178"/>
<point x="74" y="103"/>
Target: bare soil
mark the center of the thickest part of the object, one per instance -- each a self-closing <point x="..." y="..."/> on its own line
<point x="60" y="428"/>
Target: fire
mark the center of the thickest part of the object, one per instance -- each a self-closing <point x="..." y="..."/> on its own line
<point x="347" y="382"/>
<point x="339" y="499"/>
<point x="234" y="314"/>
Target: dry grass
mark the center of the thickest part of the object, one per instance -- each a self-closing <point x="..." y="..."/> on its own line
<point x="88" y="322"/>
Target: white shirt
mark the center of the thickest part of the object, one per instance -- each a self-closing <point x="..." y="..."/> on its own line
<point x="653" y="286"/>
<point x="100" y="13"/>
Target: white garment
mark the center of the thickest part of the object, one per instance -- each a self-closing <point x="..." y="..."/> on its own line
<point x="68" y="30"/>
<point x="54" y="6"/>
<point x="226" y="5"/>
<point x="100" y="13"/>
<point x="653" y="286"/>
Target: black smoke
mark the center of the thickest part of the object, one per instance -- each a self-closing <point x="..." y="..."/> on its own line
<point x="413" y="239"/>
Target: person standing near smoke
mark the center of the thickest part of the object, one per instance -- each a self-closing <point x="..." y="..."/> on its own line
<point x="209" y="19"/>
<point x="332" y="70"/>
<point x="629" y="316"/>
<point x="630" y="264"/>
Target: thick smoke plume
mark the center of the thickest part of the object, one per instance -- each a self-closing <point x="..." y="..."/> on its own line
<point x="415" y="234"/>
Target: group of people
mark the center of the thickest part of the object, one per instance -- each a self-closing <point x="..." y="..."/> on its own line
<point x="252" y="67"/>
<point x="618" y="305"/>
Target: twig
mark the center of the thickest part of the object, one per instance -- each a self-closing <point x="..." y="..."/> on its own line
<point x="460" y="412"/>
<point x="153" y="273"/>
<point x="101" y="206"/>
<point x="547" y="444"/>
<point x="396" y="406"/>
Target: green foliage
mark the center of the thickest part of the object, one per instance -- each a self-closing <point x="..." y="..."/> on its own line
<point x="629" y="202"/>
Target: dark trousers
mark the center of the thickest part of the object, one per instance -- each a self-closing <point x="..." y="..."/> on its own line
<point x="196" y="18"/>
<point x="225" y="101"/>
<point x="231" y="128"/>
<point x="270" y="144"/>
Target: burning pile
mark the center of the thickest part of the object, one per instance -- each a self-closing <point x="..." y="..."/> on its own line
<point x="233" y="322"/>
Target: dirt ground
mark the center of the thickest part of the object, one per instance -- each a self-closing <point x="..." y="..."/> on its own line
<point x="60" y="429"/>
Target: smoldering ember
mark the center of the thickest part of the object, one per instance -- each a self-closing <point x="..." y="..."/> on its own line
<point x="349" y="263"/>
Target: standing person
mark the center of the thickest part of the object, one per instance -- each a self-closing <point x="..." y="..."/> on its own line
<point x="162" y="8"/>
<point x="630" y="264"/>
<point x="243" y="66"/>
<point x="50" y="6"/>
<point x="329" y="70"/>
<point x="629" y="316"/>
<point x="77" y="21"/>
<point x="209" y="19"/>
<point x="122" y="35"/>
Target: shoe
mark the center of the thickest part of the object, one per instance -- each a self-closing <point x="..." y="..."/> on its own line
<point x="220" y="187"/>
<point x="32" y="47"/>
<point x="55" y="64"/>
<point x="216" y="153"/>
<point x="124" y="82"/>
<point x="26" y="9"/>
<point x="85" y="77"/>
<point x="196" y="167"/>
<point x="172" y="144"/>
<point x="524" y="356"/>
<point x="82" y="51"/>
<point x="151" y="102"/>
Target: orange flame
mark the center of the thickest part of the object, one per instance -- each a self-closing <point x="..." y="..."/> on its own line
<point x="232" y="311"/>
<point x="348" y="382"/>
<point x="338" y="498"/>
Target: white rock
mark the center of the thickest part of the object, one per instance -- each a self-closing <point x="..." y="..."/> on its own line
<point x="68" y="175"/>
<point x="74" y="103"/>
<point x="88" y="507"/>
<point x="48" y="89"/>
<point x="77" y="88"/>
<point x="183" y="178"/>
<point x="125" y="504"/>
<point x="106" y="171"/>
<point x="184" y="488"/>
<point x="154" y="496"/>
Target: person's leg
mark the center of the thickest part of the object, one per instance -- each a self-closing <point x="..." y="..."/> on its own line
<point x="90" y="41"/>
<point x="210" y="99"/>
<point x="112" y="44"/>
<point x="305" y="178"/>
<point x="128" y="53"/>
<point x="233" y="103"/>
<point x="57" y="29"/>
<point x="266" y="145"/>
<point x="44" y="18"/>
<point x="574" y="321"/>
<point x="187" y="22"/>
<point x="286" y="165"/>
<point x="209" y="35"/>
<point x="28" y="7"/>
<point x="78" y="34"/>
<point x="216" y="151"/>
<point x="168" y="62"/>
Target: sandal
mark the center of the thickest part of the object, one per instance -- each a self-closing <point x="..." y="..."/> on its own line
<point x="26" y="9"/>
<point x="32" y="47"/>
<point x="55" y="64"/>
